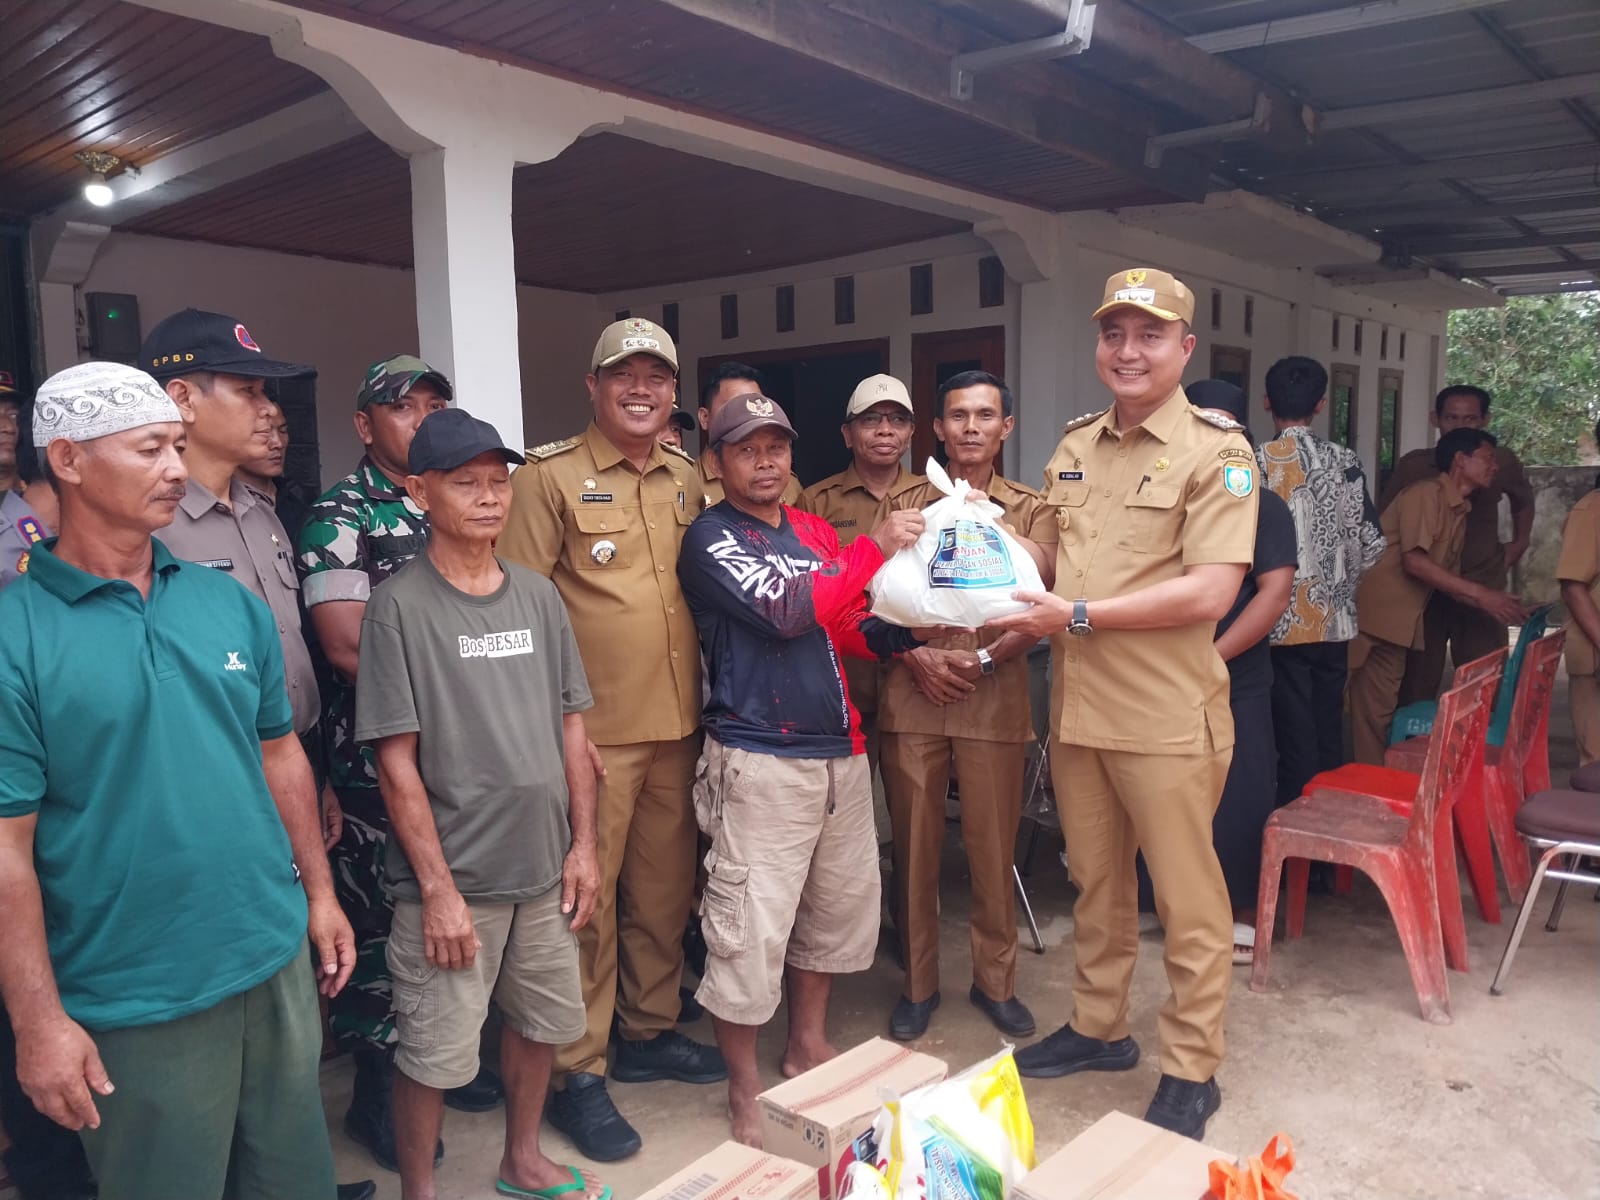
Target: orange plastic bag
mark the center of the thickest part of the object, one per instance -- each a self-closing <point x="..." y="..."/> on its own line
<point x="1261" y="1178"/>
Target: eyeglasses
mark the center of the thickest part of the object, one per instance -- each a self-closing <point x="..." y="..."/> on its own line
<point x="871" y="420"/>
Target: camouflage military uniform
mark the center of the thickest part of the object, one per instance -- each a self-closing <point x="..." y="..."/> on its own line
<point x="361" y="531"/>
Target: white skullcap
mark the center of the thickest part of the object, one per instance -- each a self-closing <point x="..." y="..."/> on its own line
<point x="94" y="399"/>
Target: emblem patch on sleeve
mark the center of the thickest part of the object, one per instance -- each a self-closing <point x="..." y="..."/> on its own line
<point x="1238" y="479"/>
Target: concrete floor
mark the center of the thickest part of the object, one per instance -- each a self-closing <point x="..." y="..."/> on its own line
<point x="1504" y="1102"/>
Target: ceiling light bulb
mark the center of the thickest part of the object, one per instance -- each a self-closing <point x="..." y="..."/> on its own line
<point x="98" y="192"/>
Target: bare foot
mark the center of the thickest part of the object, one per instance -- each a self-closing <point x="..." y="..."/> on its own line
<point x="744" y="1114"/>
<point x="799" y="1057"/>
<point x="533" y="1175"/>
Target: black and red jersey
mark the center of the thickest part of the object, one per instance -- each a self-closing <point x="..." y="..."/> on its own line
<point x="776" y="608"/>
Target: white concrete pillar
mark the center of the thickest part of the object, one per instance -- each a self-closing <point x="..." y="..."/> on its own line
<point x="1045" y="373"/>
<point x="466" y="280"/>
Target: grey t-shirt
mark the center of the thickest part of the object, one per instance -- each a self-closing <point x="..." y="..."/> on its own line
<point x="484" y="681"/>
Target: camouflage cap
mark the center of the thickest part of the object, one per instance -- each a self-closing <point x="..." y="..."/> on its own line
<point x="633" y="335"/>
<point x="391" y="378"/>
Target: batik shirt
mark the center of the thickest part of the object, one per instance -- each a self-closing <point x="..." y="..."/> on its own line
<point x="361" y="531"/>
<point x="1337" y="537"/>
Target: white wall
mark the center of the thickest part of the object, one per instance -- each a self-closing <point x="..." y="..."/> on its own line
<point x="340" y="318"/>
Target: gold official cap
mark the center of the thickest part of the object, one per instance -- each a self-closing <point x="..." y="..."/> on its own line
<point x="878" y="389"/>
<point x="1155" y="292"/>
<point x="633" y="335"/>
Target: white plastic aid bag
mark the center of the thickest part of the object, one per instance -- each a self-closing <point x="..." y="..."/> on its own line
<point x="961" y="571"/>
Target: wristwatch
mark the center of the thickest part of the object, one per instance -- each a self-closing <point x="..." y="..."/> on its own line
<point x="985" y="662"/>
<point x="1079" y="625"/>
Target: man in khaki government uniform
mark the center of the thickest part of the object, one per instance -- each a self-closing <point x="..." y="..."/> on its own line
<point x="963" y="698"/>
<point x="1155" y="505"/>
<point x="1424" y="529"/>
<point x="721" y="384"/>
<point x="603" y="515"/>
<point x="1469" y="632"/>
<point x="878" y="422"/>
<point x="1579" y="573"/>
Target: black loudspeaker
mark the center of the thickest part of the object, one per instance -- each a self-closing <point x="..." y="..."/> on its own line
<point x="113" y="325"/>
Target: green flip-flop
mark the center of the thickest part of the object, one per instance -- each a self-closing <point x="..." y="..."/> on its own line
<point x="576" y="1187"/>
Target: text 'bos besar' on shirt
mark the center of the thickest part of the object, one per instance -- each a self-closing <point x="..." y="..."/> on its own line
<point x="1429" y="516"/>
<point x="607" y="535"/>
<point x="245" y="541"/>
<point x="1136" y="507"/>
<point x="998" y="710"/>
<point x="776" y="609"/>
<point x="1580" y="563"/>
<point x="1336" y="532"/>
<point x="484" y="682"/>
<point x="133" y="727"/>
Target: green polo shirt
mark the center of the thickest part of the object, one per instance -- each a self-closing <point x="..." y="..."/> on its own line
<point x="133" y="728"/>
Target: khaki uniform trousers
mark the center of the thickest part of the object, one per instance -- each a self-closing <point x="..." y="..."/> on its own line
<point x="1583" y="697"/>
<point x="1114" y="803"/>
<point x="916" y="774"/>
<point x="631" y="951"/>
<point x="1470" y="633"/>
<point x="1376" y="670"/>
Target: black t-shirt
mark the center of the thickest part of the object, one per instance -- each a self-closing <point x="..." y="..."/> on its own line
<point x="1275" y="547"/>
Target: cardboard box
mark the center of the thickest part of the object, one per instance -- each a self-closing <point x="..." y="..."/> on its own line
<point x="817" y="1117"/>
<point x="735" y="1172"/>
<point x="1123" y="1158"/>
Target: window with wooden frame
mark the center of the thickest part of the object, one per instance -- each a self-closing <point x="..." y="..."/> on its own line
<point x="1343" y="380"/>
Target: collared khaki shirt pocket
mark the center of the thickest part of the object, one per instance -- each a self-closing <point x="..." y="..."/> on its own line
<point x="286" y="572"/>
<point x="597" y="537"/>
<point x="1152" y="521"/>
<point x="1068" y="500"/>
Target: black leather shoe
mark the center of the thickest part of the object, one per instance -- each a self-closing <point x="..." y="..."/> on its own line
<point x="909" y="1020"/>
<point x="368" y="1121"/>
<point x="584" y="1112"/>
<point x="363" y="1189"/>
<point x="1011" y="1017"/>
<point x="690" y="1010"/>
<point x="668" y="1055"/>
<point x="483" y="1094"/>
<point x="1067" y="1051"/>
<point x="1184" y="1106"/>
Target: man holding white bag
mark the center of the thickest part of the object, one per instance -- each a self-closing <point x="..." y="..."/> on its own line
<point x="963" y="698"/>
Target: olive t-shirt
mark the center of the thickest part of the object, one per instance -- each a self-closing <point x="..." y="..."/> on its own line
<point x="484" y="681"/>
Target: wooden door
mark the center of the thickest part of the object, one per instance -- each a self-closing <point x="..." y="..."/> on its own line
<point x="935" y="357"/>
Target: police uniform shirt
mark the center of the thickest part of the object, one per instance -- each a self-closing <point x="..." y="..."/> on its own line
<point x="1482" y="554"/>
<point x="711" y="486"/>
<point x="608" y="536"/>
<point x="1580" y="563"/>
<point x="249" y="544"/>
<point x="998" y="709"/>
<point x="844" y="502"/>
<point x="20" y="530"/>
<point x="1134" y="508"/>
<point x="1429" y="516"/>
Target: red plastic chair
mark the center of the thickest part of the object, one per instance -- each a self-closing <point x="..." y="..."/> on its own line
<point x="1397" y="852"/>
<point x="1396" y="785"/>
<point x="1516" y="770"/>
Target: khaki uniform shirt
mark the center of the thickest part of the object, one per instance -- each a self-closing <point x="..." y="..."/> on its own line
<point x="608" y="538"/>
<point x="712" y="486"/>
<point x="1135" y="507"/>
<point x="1580" y="562"/>
<point x="1429" y="516"/>
<point x="249" y="544"/>
<point x="998" y="709"/>
<point x="1483" y="558"/>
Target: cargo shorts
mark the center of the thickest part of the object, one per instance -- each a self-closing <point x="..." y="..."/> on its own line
<point x="792" y="874"/>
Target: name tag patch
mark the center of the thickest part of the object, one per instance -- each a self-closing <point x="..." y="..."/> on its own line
<point x="497" y="645"/>
<point x="1234" y="452"/>
<point x="595" y="498"/>
<point x="218" y="564"/>
<point x="1070" y="476"/>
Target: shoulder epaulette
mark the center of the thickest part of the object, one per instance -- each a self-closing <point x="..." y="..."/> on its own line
<point x="1212" y="417"/>
<point x="550" y="449"/>
<point x="681" y="453"/>
<point x="1079" y="422"/>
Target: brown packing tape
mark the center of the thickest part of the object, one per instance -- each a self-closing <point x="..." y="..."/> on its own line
<point x="1155" y="1149"/>
<point x="850" y="1084"/>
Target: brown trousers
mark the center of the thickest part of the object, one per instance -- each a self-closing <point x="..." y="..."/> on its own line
<point x="1583" y="697"/>
<point x="1469" y="633"/>
<point x="916" y="775"/>
<point x="1114" y="803"/>
<point x="1376" y="670"/>
<point x="631" y="951"/>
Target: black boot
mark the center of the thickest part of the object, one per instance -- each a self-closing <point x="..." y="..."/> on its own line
<point x="368" y="1121"/>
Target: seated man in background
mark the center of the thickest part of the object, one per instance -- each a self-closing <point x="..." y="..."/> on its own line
<point x="782" y="788"/>
<point x="472" y="691"/>
<point x="1424" y="528"/>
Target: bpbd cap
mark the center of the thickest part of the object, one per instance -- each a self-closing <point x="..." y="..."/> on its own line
<point x="193" y="340"/>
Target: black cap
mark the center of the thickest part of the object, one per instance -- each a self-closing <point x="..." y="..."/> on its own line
<point x="1220" y="395"/>
<point x="453" y="436"/>
<point x="192" y="340"/>
<point x="683" y="420"/>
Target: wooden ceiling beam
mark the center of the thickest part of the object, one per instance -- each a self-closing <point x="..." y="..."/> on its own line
<point x="892" y="53"/>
